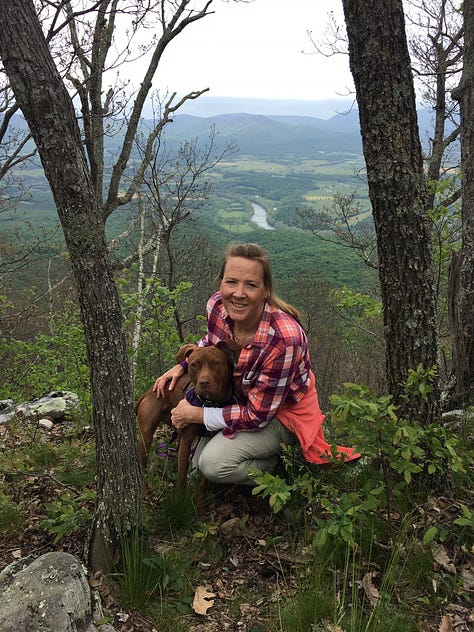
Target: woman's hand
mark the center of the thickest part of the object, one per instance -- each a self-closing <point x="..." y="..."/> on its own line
<point x="171" y="376"/>
<point x="184" y="414"/>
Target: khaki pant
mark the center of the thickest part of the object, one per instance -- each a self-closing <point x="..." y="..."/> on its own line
<point x="224" y="460"/>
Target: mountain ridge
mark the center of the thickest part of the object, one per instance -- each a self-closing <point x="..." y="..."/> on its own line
<point x="264" y="135"/>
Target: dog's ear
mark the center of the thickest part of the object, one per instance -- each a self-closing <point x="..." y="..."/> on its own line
<point x="230" y="348"/>
<point x="184" y="351"/>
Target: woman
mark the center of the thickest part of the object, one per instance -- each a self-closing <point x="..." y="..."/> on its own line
<point x="273" y="377"/>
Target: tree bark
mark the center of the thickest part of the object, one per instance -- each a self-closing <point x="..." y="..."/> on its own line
<point x="462" y="299"/>
<point x="380" y="65"/>
<point x="48" y="109"/>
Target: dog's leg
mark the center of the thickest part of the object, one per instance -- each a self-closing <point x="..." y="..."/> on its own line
<point x="149" y="410"/>
<point x="186" y="439"/>
<point x="201" y="494"/>
<point x="185" y="444"/>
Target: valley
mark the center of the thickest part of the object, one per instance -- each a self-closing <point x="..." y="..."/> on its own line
<point x="280" y="165"/>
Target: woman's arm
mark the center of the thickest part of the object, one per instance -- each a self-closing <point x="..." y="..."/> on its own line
<point x="171" y="376"/>
<point x="184" y="414"/>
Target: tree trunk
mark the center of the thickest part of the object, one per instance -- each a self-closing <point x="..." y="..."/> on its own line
<point x="48" y="109"/>
<point x="380" y="65"/>
<point x="462" y="298"/>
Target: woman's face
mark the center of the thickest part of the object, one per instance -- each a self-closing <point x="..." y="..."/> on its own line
<point x="243" y="291"/>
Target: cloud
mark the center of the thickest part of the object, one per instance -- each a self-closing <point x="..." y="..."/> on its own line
<point x="257" y="49"/>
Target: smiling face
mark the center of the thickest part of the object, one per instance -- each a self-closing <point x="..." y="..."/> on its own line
<point x="243" y="291"/>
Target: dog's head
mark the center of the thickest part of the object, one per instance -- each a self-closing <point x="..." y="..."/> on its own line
<point x="210" y="369"/>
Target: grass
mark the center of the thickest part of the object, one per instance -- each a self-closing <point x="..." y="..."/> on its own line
<point x="69" y="458"/>
<point x="12" y="518"/>
<point x="152" y="582"/>
<point x="345" y="589"/>
<point x="374" y="584"/>
<point x="267" y="571"/>
<point x="176" y="512"/>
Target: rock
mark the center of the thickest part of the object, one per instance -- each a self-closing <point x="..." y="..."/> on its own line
<point x="455" y="419"/>
<point x="52" y="405"/>
<point x="458" y="414"/>
<point x="47" y="594"/>
<point x="232" y="527"/>
<point x="6" y="403"/>
<point x="45" y="423"/>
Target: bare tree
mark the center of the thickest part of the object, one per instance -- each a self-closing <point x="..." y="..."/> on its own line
<point x="14" y="151"/>
<point x="435" y="38"/>
<point x="13" y="139"/>
<point x="77" y="180"/>
<point x="175" y="186"/>
<point x="435" y="41"/>
<point x="345" y="224"/>
<point x="434" y="35"/>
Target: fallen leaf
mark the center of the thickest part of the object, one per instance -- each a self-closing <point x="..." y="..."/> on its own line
<point x="330" y="627"/>
<point x="467" y="574"/>
<point x="441" y="557"/>
<point x="445" y="625"/>
<point x="16" y="554"/>
<point x="203" y="599"/>
<point x="122" y="616"/>
<point x="232" y="527"/>
<point x="246" y="609"/>
<point x="371" y="591"/>
<point x="222" y="591"/>
<point x="128" y="625"/>
<point x="458" y="610"/>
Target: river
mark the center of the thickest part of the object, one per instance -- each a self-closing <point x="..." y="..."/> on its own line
<point x="260" y="216"/>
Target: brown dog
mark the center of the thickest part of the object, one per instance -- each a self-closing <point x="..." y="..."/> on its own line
<point x="210" y="372"/>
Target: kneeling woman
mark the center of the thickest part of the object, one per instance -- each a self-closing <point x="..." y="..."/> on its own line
<point x="273" y="377"/>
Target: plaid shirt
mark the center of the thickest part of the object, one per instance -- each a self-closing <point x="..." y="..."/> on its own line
<point x="271" y="371"/>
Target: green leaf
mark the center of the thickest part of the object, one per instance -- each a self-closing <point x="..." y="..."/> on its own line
<point x="430" y="535"/>
<point x="321" y="538"/>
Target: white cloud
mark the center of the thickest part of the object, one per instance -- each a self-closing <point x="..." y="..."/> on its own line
<point x="256" y="50"/>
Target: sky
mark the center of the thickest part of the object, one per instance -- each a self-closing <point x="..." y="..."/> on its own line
<point x="258" y="49"/>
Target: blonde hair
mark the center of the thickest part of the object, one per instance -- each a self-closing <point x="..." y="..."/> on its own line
<point x="254" y="252"/>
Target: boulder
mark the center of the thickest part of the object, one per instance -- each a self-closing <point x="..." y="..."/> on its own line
<point x="53" y="405"/>
<point x="47" y="594"/>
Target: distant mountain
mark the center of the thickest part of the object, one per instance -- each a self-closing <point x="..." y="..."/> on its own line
<point x="334" y="114"/>
<point x="271" y="128"/>
<point x="343" y="122"/>
<point x="271" y="136"/>
<point x="279" y="135"/>
<point x="207" y="106"/>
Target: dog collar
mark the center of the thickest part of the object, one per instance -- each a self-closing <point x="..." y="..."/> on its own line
<point x="195" y="400"/>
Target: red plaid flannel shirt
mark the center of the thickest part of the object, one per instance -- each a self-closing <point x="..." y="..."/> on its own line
<point x="273" y="370"/>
